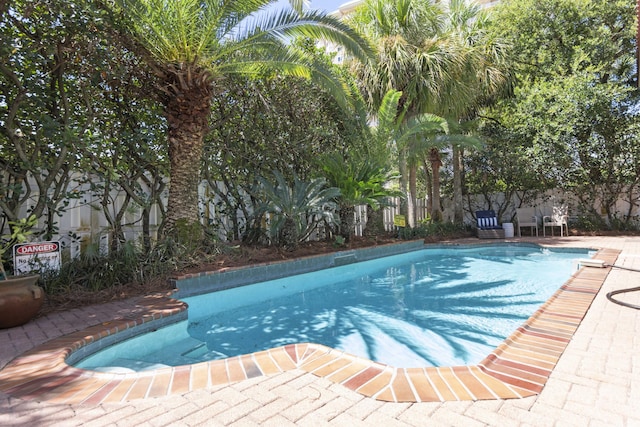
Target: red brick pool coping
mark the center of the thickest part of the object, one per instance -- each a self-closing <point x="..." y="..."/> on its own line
<point x="518" y="368"/>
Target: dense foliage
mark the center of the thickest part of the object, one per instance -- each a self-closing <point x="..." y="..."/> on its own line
<point x="280" y="124"/>
<point x="572" y="121"/>
<point x="440" y="57"/>
<point x="76" y="125"/>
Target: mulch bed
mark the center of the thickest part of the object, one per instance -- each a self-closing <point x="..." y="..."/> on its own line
<point x="233" y="255"/>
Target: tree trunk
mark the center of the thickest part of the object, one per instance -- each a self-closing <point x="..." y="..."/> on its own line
<point x="403" y="184"/>
<point x="288" y="237"/>
<point x="187" y="115"/>
<point x="638" y="44"/>
<point x="146" y="229"/>
<point x="458" y="212"/>
<point x="375" y="223"/>
<point x="434" y="159"/>
<point x="429" y="184"/>
<point x="347" y="222"/>
<point x="413" y="195"/>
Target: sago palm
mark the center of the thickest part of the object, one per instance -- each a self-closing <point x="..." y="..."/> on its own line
<point x="192" y="45"/>
<point x="296" y="210"/>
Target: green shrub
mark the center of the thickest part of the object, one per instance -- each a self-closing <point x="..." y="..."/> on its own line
<point x="435" y="230"/>
<point x="624" y="224"/>
<point x="588" y="223"/>
<point x="95" y="270"/>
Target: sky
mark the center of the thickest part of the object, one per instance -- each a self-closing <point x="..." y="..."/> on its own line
<point x="326" y="5"/>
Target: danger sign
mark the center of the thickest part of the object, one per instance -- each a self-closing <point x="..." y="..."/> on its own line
<point x="37" y="248"/>
<point x="40" y="256"/>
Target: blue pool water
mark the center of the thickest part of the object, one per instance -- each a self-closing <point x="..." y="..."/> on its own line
<point x="432" y="307"/>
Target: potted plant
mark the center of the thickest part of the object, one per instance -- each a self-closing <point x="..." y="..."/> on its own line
<point x="20" y="297"/>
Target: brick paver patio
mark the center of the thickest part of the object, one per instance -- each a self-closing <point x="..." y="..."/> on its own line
<point x="595" y="381"/>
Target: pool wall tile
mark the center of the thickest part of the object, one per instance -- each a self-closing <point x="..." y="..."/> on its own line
<point x="235" y="369"/>
<point x="192" y="285"/>
<point x="424" y="389"/>
<point x="265" y="363"/>
<point x="282" y="359"/>
<point x="402" y="389"/>
<point x="443" y="387"/>
<point x="120" y="391"/>
<point x="161" y="384"/>
<point x="377" y="383"/>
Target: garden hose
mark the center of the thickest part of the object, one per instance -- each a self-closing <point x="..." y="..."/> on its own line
<point x="623" y="291"/>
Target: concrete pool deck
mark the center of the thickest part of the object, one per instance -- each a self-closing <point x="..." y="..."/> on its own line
<point x="595" y="381"/>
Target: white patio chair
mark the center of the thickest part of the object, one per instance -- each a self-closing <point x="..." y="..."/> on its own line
<point x="526" y="217"/>
<point x="557" y="219"/>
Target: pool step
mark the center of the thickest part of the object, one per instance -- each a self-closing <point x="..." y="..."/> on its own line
<point x="123" y="365"/>
<point x="201" y="352"/>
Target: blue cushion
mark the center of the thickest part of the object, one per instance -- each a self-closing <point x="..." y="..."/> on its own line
<point x="487" y="220"/>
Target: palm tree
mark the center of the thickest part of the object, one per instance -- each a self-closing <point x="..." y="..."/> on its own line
<point x="363" y="177"/>
<point x="361" y="181"/>
<point x="192" y="45"/>
<point x="437" y="71"/>
<point x="409" y="60"/>
<point x="484" y="76"/>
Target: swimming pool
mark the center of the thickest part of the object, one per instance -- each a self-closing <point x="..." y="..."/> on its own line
<point x="433" y="307"/>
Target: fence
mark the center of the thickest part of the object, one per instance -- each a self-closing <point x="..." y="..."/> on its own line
<point x="84" y="220"/>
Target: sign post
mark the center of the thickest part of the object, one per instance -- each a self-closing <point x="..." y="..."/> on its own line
<point x="40" y="256"/>
<point x="399" y="221"/>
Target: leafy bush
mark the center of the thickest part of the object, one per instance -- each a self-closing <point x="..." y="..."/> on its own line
<point x="625" y="223"/>
<point x="295" y="211"/>
<point x="96" y="270"/>
<point x="436" y="231"/>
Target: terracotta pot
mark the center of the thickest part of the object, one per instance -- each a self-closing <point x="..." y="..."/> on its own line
<point x="20" y="300"/>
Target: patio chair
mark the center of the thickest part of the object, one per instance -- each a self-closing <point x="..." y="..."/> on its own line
<point x="557" y="219"/>
<point x="487" y="223"/>
<point x="526" y="217"/>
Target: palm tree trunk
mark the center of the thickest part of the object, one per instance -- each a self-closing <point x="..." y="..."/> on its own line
<point x="403" y="183"/>
<point x="187" y="116"/>
<point x="434" y="158"/>
<point x="374" y="227"/>
<point x="347" y="222"/>
<point x="429" y="185"/>
<point x="413" y="195"/>
<point x="289" y="235"/>
<point x="458" y="212"/>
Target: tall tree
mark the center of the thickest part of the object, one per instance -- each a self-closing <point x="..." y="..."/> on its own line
<point x="548" y="39"/>
<point x="192" y="45"/>
<point x="409" y="60"/>
<point x="428" y="51"/>
<point x="574" y="109"/>
<point x="484" y="76"/>
<point x="61" y="74"/>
